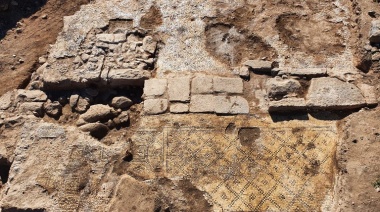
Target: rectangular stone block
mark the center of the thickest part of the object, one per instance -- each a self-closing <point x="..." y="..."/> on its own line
<point x="287" y="104"/>
<point x="155" y="106"/>
<point x="202" y="103"/>
<point x="259" y="65"/>
<point x="374" y="35"/>
<point x="307" y="72"/>
<point x="201" y="85"/>
<point x="179" y="108"/>
<point x="179" y="89"/>
<point x="369" y="93"/>
<point x="124" y="77"/>
<point x="231" y="105"/>
<point x="154" y="87"/>
<point x="228" y="85"/>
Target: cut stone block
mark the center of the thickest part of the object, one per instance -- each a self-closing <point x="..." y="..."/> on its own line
<point x="307" y="72"/>
<point x="111" y="38"/>
<point x="202" y="103"/>
<point x="155" y="87"/>
<point x="287" y="104"/>
<point x="331" y="93"/>
<point x="123" y="77"/>
<point x="259" y="65"/>
<point x="155" y="106"/>
<point x="201" y="85"/>
<point x="179" y="89"/>
<point x="228" y="85"/>
<point x="36" y="108"/>
<point x="374" y="35"/>
<point x="231" y="105"/>
<point x="179" y="108"/>
<point x="369" y="93"/>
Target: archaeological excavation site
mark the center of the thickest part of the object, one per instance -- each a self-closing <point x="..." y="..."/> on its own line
<point x="189" y="105"/>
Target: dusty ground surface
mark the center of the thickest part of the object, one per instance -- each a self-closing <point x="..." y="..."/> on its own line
<point x="32" y="42"/>
<point x="112" y="118"/>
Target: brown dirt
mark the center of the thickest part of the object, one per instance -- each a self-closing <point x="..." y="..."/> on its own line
<point x="358" y="157"/>
<point x="33" y="42"/>
<point x="152" y="19"/>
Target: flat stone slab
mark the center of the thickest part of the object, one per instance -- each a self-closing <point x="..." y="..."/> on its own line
<point x="179" y="108"/>
<point x="278" y="87"/>
<point x="179" y="89"/>
<point x="155" y="106"/>
<point x="308" y="72"/>
<point x="155" y="87"/>
<point x="287" y="104"/>
<point x="202" y="103"/>
<point x="228" y="85"/>
<point x="259" y="65"/>
<point x="231" y="105"/>
<point x="202" y="85"/>
<point x="111" y="38"/>
<point x="31" y="95"/>
<point x="374" y="35"/>
<point x="124" y="77"/>
<point x="331" y="93"/>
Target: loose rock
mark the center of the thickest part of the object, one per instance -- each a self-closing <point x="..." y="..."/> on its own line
<point x="121" y="102"/>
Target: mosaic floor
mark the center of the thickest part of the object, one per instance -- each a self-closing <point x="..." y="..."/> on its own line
<point x="255" y="168"/>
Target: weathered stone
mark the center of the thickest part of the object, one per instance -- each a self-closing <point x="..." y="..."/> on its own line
<point x="287" y="104"/>
<point x="155" y="106"/>
<point x="278" y="87"/>
<point x="202" y="103"/>
<point x="124" y="77"/>
<point x="123" y="117"/>
<point x="34" y="107"/>
<point x="331" y="93"/>
<point x="111" y="38"/>
<point x="228" y="85"/>
<point x="201" y="85"/>
<point x="259" y="65"/>
<point x="97" y="130"/>
<point x="374" y="35"/>
<point x="53" y="109"/>
<point x="243" y="71"/>
<point x="149" y="44"/>
<point x="179" y="89"/>
<point x="179" y="108"/>
<point x="73" y="100"/>
<point x="307" y="72"/>
<point x="369" y="93"/>
<point x="82" y="104"/>
<point x="6" y="100"/>
<point x="155" y="87"/>
<point x="231" y="105"/>
<point x="31" y="96"/>
<point x="121" y="102"/>
<point x="98" y="113"/>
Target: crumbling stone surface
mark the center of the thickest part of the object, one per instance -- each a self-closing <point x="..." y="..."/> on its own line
<point x="304" y="72"/>
<point x="53" y="109"/>
<point x="259" y="65"/>
<point x="331" y="93"/>
<point x="31" y="96"/>
<point x="155" y="106"/>
<point x="374" y="35"/>
<point x="277" y="88"/>
<point x="179" y="108"/>
<point x="287" y="104"/>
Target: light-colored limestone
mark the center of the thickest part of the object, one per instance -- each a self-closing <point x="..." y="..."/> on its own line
<point x="231" y="105"/>
<point x="228" y="85"/>
<point x="31" y="96"/>
<point x="201" y="85"/>
<point x="331" y="93"/>
<point x="278" y="87"/>
<point x="155" y="106"/>
<point x="111" y="38"/>
<point x="179" y="108"/>
<point x="121" y="102"/>
<point x="369" y="93"/>
<point x="307" y="72"/>
<point x="155" y="87"/>
<point x="374" y="35"/>
<point x="259" y="65"/>
<point x="179" y="89"/>
<point x="202" y="103"/>
<point x="287" y="104"/>
<point x="124" y="77"/>
<point x="98" y="112"/>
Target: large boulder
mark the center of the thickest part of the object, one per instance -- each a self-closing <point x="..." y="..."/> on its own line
<point x="98" y="113"/>
<point x="331" y="93"/>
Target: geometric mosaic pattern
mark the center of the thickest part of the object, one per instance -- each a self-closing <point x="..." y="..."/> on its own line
<point x="285" y="169"/>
